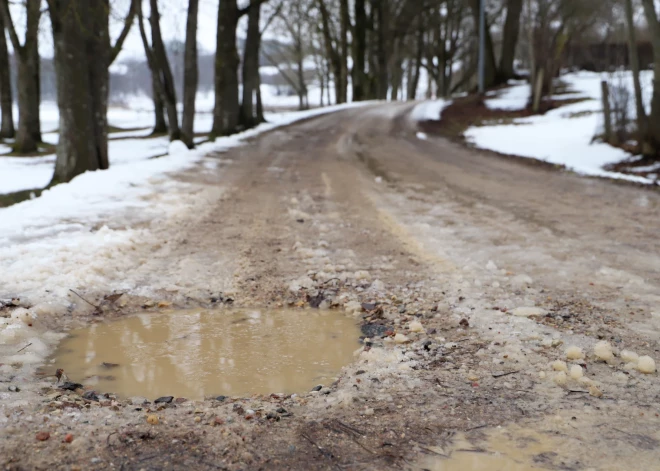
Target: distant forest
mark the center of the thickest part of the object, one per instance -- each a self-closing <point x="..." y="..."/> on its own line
<point x="132" y="76"/>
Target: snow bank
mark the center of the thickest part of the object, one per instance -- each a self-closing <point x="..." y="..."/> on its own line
<point x="562" y="136"/>
<point x="430" y="110"/>
<point x="512" y="98"/>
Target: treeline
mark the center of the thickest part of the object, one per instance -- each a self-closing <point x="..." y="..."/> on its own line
<point x="360" y="49"/>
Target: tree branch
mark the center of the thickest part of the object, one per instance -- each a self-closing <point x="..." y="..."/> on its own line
<point x="253" y="3"/>
<point x="128" y="24"/>
<point x="9" y="24"/>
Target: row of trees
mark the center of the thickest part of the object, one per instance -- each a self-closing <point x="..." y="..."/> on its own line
<point x="361" y="50"/>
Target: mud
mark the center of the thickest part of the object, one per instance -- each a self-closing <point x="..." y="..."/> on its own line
<point x="431" y="247"/>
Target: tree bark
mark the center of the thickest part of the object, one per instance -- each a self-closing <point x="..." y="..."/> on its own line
<point x="634" y="67"/>
<point x="381" y="9"/>
<point x="249" y="117"/>
<point x="28" y="134"/>
<point x="226" y="110"/>
<point x="190" y="75"/>
<point x="653" y="128"/>
<point x="359" y="51"/>
<point x="162" y="65"/>
<point x="6" y="101"/>
<point x="510" y="39"/>
<point x="160" y="124"/>
<point x="82" y="56"/>
<point x="332" y="54"/>
<point x="345" y="24"/>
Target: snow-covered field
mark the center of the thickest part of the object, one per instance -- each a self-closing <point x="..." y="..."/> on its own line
<point x="562" y="136"/>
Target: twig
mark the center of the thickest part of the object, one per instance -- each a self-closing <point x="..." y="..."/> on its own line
<point x="476" y="428"/>
<point x="24" y="347"/>
<point x="577" y="391"/>
<point x="500" y="374"/>
<point x="93" y="305"/>
<point x="433" y="451"/>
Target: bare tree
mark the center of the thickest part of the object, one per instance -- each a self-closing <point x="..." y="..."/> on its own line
<point x="83" y="53"/>
<point x="27" y="55"/>
<point x="191" y="75"/>
<point x="6" y="101"/>
<point x="160" y="67"/>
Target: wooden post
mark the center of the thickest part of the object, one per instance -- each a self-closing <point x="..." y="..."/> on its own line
<point x="607" y="112"/>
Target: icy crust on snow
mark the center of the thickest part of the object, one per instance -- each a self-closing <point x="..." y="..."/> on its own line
<point x="562" y="136"/>
<point x="76" y="234"/>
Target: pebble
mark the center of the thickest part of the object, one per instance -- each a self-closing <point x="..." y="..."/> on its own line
<point x="138" y="400"/>
<point x="14" y="388"/>
<point x="68" y="438"/>
<point x="416" y="326"/>
<point x="629" y="356"/>
<point x="559" y="365"/>
<point x="164" y="400"/>
<point x="560" y="378"/>
<point x="576" y="372"/>
<point x="221" y="398"/>
<point x="603" y="350"/>
<point x="317" y="388"/>
<point x="528" y="311"/>
<point x="400" y="338"/>
<point x="153" y="419"/>
<point x="595" y="392"/>
<point x="574" y="353"/>
<point x="646" y="365"/>
<point x="42" y="436"/>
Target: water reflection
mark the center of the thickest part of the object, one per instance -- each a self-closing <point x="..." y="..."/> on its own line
<point x="199" y="353"/>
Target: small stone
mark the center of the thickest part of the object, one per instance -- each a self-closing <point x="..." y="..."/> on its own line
<point x="594" y="391"/>
<point x="646" y="365"/>
<point x="221" y="398"/>
<point x="218" y="421"/>
<point x="153" y="419"/>
<point x="13" y="388"/>
<point x="416" y="326"/>
<point x="528" y="311"/>
<point x="198" y="419"/>
<point x="42" y="436"/>
<point x="70" y="386"/>
<point x="317" y="388"/>
<point x="603" y="350"/>
<point x="138" y="400"/>
<point x="373" y="331"/>
<point x="576" y="372"/>
<point x="90" y="396"/>
<point x="574" y="353"/>
<point x="280" y="410"/>
<point x="473" y="377"/>
<point x="164" y="400"/>
<point x="325" y="391"/>
<point x="560" y="378"/>
<point x="559" y="365"/>
<point x="400" y="338"/>
<point x="369" y="306"/>
<point x="629" y="356"/>
<point x="68" y="438"/>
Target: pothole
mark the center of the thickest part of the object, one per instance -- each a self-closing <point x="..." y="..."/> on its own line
<point x="201" y="353"/>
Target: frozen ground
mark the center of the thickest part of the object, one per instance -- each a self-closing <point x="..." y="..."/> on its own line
<point x="562" y="136"/>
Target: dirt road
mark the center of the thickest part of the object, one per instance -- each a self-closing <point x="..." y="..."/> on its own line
<point x="505" y="265"/>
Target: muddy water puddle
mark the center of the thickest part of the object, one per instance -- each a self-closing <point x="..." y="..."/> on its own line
<point x="197" y="354"/>
<point x="510" y="449"/>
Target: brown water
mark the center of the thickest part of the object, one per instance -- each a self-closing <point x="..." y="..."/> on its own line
<point x="196" y="354"/>
<point x="508" y="449"/>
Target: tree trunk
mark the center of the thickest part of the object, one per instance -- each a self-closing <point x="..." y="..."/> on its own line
<point x="162" y="65"/>
<point x="160" y="125"/>
<point x="345" y="24"/>
<point x="251" y="68"/>
<point x="227" y="109"/>
<point x="653" y="128"/>
<point x="491" y="69"/>
<point x="28" y="134"/>
<point x="634" y="67"/>
<point x="6" y="100"/>
<point x="82" y="57"/>
<point x="510" y="39"/>
<point x="359" y="51"/>
<point x="383" y="78"/>
<point x="190" y="75"/>
<point x="332" y="54"/>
